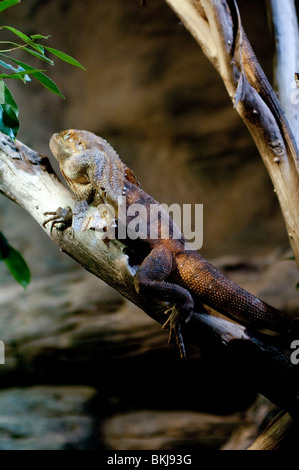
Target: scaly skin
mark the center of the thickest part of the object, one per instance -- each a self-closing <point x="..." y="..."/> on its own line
<point x="168" y="270"/>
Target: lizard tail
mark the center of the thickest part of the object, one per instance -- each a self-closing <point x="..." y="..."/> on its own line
<point x="217" y="291"/>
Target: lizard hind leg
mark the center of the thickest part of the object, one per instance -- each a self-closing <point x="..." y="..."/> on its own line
<point x="152" y="280"/>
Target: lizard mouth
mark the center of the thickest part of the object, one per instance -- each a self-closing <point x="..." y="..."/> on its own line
<point x="54" y="138"/>
<point x="53" y="141"/>
<point x="57" y="147"/>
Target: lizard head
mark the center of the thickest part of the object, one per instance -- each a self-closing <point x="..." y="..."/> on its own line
<point x="71" y="142"/>
<point x="88" y="160"/>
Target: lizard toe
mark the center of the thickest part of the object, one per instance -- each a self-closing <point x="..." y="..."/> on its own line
<point x="174" y="322"/>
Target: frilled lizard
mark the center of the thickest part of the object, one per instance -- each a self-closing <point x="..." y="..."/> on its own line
<point x="168" y="269"/>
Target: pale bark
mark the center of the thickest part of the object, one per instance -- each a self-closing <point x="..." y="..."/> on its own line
<point x="286" y="33"/>
<point x="276" y="434"/>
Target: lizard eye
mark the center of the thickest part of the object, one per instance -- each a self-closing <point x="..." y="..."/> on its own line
<point x="80" y="146"/>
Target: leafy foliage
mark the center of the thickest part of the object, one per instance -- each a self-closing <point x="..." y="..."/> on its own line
<point x="14" y="262"/>
<point x="16" y="69"/>
<point x="9" y="112"/>
<point x="7" y="3"/>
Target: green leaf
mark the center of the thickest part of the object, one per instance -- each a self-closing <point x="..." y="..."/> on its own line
<point x="39" y="36"/>
<point x="10" y="67"/>
<point x="20" y="72"/>
<point x="9" y="100"/>
<point x="14" y="261"/>
<point x="19" y="75"/>
<point x="9" y="124"/>
<point x="27" y="49"/>
<point x="48" y="83"/>
<point x="7" y="3"/>
<point x="4" y="247"/>
<point x="12" y="43"/>
<point x="25" y="38"/>
<point x="40" y="56"/>
<point x="9" y="114"/>
<point x="25" y="78"/>
<point x="18" y="267"/>
<point x="67" y="58"/>
<point x="41" y="77"/>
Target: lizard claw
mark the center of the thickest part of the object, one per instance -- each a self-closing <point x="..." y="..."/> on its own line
<point x="174" y="322"/>
<point x="60" y="216"/>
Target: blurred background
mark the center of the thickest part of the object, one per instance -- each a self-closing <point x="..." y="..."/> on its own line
<point x="84" y="367"/>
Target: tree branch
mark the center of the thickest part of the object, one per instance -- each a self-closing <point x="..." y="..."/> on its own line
<point x="277" y="433"/>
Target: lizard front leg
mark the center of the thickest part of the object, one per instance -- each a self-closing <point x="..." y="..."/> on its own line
<point x="150" y="281"/>
<point x="67" y="216"/>
<point x="63" y="215"/>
